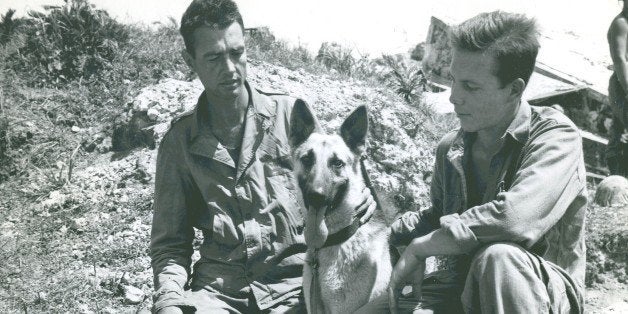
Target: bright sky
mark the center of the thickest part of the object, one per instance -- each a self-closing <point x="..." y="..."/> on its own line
<point x="375" y="27"/>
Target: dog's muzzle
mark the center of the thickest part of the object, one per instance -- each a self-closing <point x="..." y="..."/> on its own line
<point x="316" y="199"/>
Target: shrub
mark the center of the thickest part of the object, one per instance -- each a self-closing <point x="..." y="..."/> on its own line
<point x="261" y="44"/>
<point x="8" y="26"/>
<point x="334" y="56"/>
<point x="85" y="68"/>
<point x="418" y="52"/>
<point x="66" y="42"/>
<point x="5" y="144"/>
<point x="405" y="78"/>
<point x="342" y="60"/>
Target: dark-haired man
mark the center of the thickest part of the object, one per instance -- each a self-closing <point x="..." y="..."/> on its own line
<point x="225" y="169"/>
<point x="508" y="192"/>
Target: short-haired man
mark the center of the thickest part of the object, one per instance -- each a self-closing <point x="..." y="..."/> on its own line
<point x="225" y="169"/>
<point x="617" y="149"/>
<point x="508" y="192"/>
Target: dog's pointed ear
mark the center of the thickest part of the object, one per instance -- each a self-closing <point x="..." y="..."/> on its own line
<point x="302" y="123"/>
<point x="354" y="130"/>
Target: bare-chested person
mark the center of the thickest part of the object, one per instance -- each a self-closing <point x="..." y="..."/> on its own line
<point x="617" y="151"/>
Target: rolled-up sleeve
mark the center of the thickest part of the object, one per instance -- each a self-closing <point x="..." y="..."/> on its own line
<point x="547" y="182"/>
<point x="172" y="232"/>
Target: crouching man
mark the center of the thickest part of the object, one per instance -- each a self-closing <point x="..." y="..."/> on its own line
<point x="509" y="188"/>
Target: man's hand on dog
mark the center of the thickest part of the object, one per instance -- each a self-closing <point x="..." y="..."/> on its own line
<point x="367" y="206"/>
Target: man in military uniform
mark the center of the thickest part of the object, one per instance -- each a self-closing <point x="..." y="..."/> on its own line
<point x="226" y="169"/>
<point x="509" y="188"/>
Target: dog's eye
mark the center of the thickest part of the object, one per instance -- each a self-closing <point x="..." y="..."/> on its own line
<point x="307" y="160"/>
<point x="337" y="163"/>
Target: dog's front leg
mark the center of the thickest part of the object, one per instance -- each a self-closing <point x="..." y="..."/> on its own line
<point x="313" y="302"/>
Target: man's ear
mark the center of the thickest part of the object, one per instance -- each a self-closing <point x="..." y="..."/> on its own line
<point x="354" y="130"/>
<point x="302" y="123"/>
<point x="517" y="88"/>
<point x="187" y="57"/>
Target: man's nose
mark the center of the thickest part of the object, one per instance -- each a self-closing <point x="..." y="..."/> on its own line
<point x="455" y="97"/>
<point x="230" y="65"/>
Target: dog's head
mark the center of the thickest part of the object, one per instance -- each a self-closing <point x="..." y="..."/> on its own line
<point x="326" y="167"/>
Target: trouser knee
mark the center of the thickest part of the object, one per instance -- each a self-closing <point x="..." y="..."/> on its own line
<point x="497" y="257"/>
<point x="496" y="275"/>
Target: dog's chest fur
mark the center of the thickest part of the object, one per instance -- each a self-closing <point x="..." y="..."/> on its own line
<point x="354" y="272"/>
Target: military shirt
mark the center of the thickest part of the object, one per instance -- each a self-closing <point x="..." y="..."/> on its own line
<point x="250" y="212"/>
<point x="535" y="196"/>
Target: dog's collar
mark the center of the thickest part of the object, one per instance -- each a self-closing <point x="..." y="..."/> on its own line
<point x="345" y="233"/>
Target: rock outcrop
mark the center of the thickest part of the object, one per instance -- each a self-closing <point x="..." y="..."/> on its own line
<point x="612" y="191"/>
<point x="400" y="157"/>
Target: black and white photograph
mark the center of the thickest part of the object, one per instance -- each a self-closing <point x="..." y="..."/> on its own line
<point x="277" y="156"/>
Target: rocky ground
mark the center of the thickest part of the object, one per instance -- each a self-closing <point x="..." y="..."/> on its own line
<point x="75" y="238"/>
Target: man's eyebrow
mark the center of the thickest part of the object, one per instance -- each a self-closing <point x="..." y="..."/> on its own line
<point x="212" y="53"/>
<point x="468" y="81"/>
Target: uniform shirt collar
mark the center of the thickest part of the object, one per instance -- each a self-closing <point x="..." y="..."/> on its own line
<point x="259" y="104"/>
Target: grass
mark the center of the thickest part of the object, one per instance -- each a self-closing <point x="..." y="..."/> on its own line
<point x="125" y="59"/>
<point x="72" y="66"/>
<point x="81" y="241"/>
<point x="607" y="245"/>
<point x="85" y="233"/>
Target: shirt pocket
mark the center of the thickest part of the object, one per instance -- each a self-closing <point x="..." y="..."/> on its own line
<point x="280" y="183"/>
<point x="221" y="224"/>
<point x="288" y="214"/>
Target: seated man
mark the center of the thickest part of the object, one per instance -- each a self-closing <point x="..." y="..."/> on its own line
<point x="225" y="168"/>
<point x="509" y="188"/>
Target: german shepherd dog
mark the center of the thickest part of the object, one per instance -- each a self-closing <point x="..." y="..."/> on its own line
<point x="347" y="264"/>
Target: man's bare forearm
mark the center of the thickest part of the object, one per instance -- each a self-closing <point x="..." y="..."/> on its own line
<point x="437" y="242"/>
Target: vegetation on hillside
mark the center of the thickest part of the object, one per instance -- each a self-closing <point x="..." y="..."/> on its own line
<point x="67" y="75"/>
<point x="83" y="67"/>
<point x="72" y="66"/>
